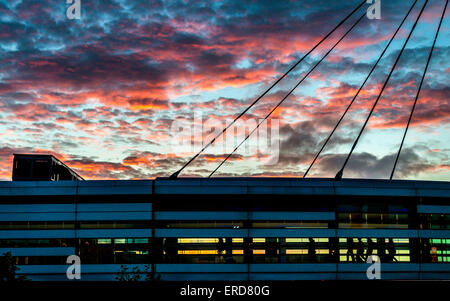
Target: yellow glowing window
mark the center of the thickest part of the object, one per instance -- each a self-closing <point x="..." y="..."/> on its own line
<point x="344" y="251"/>
<point x="198" y="240"/>
<point x="296" y="251"/>
<point x="402" y="258"/>
<point x="206" y="240"/>
<point x="257" y="240"/>
<point x="344" y="240"/>
<point x="197" y="252"/>
<point x="321" y="251"/>
<point x="305" y="240"/>
<point x="297" y="240"/>
<point x="259" y="252"/>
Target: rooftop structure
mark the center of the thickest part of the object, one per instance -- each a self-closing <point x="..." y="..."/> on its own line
<point x="38" y="167"/>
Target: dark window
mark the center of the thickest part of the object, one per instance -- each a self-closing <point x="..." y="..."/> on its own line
<point x="115" y="250"/>
<point x="22" y="168"/>
<point x="41" y="169"/>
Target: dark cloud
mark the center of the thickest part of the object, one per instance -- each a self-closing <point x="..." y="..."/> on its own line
<point x="365" y="165"/>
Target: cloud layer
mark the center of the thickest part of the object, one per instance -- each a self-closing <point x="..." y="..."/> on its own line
<point x="102" y="92"/>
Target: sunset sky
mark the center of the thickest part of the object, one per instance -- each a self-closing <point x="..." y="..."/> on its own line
<point x="101" y="93"/>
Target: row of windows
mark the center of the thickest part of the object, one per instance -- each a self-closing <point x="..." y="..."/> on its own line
<point x="242" y="224"/>
<point x="373" y="220"/>
<point x="345" y="220"/>
<point x="243" y="250"/>
<point x="69" y="225"/>
<point x="435" y="221"/>
<point x="288" y="250"/>
<point x="36" y="243"/>
<point x="159" y="224"/>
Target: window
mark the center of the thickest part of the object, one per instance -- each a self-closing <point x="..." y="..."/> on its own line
<point x="22" y="168"/>
<point x="200" y="224"/>
<point x="41" y="169"/>
<point x="115" y="224"/>
<point x="290" y="224"/>
<point x="435" y="221"/>
<point x="203" y="250"/>
<point x="373" y="220"/>
<point x="388" y="249"/>
<point x="292" y="250"/>
<point x="435" y="250"/>
<point x="36" y="225"/>
<point x="117" y="250"/>
<point x="36" y="243"/>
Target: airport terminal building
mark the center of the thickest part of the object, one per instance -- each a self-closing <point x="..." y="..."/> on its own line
<point x="242" y="229"/>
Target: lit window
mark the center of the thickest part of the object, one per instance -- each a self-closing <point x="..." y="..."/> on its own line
<point x="104" y="241"/>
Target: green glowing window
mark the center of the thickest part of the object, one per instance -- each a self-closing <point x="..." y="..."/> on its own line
<point x="103" y="241"/>
<point x="141" y="240"/>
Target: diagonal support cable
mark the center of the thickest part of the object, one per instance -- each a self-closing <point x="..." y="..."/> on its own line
<point x="418" y="91"/>
<point x="341" y="171"/>
<point x="289" y="93"/>
<point x="175" y="174"/>
<point x="360" y="88"/>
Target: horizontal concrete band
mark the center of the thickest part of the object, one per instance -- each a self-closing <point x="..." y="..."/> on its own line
<point x="61" y="208"/>
<point x="243" y="268"/>
<point x="289" y="186"/>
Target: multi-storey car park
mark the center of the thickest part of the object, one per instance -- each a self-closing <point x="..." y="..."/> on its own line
<point x="228" y="228"/>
